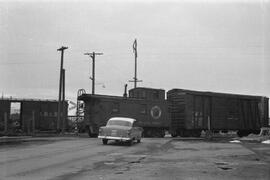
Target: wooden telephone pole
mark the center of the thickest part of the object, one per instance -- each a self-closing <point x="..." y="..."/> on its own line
<point x="61" y="97"/>
<point x="93" y="56"/>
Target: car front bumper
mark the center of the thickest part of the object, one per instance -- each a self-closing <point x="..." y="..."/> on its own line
<point x="115" y="138"/>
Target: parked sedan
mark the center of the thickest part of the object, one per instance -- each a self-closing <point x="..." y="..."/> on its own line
<point x="120" y="129"/>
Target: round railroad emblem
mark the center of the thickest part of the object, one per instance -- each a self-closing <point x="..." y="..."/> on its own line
<point x="156" y="112"/>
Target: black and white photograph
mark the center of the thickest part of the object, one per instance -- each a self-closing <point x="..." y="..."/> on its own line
<point x="134" y="89"/>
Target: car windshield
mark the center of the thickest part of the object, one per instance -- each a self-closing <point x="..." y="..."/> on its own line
<point x="119" y="123"/>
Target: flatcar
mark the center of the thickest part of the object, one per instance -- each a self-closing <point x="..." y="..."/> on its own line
<point x="194" y="111"/>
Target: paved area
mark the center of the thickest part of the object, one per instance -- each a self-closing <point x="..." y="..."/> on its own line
<point x="68" y="158"/>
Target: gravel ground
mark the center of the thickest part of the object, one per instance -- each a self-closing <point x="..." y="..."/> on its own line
<point x="67" y="158"/>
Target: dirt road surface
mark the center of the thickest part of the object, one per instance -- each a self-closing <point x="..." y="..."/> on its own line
<point x="68" y="158"/>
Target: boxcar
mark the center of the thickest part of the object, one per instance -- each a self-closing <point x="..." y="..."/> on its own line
<point x="43" y="111"/>
<point x="194" y="111"/>
<point x="151" y="114"/>
<point x="4" y="111"/>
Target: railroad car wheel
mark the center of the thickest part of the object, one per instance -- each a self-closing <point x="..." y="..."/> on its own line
<point x="90" y="134"/>
<point x="160" y="133"/>
<point x="146" y="133"/>
<point x="256" y="132"/>
<point x="186" y="133"/>
<point x="180" y="133"/>
<point x="105" y="141"/>
<point x="242" y="133"/>
<point x="174" y="134"/>
<point x="208" y="134"/>
<point x="196" y="133"/>
<point x="130" y="142"/>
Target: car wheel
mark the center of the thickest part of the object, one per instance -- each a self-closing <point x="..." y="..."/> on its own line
<point x="138" y="140"/>
<point x="104" y="141"/>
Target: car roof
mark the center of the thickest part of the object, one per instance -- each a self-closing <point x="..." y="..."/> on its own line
<point x="123" y="119"/>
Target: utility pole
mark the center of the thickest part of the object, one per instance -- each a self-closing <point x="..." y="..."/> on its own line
<point x="63" y="101"/>
<point x="93" y="56"/>
<point x="61" y="87"/>
<point x="135" y="72"/>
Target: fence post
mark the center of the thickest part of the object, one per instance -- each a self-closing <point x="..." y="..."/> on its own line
<point x="33" y="123"/>
<point x="6" y="123"/>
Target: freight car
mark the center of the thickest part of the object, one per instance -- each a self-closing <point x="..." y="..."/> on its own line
<point x="194" y="111"/>
<point x="147" y="106"/>
<point x="19" y="113"/>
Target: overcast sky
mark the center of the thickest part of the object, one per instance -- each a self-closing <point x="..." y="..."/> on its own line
<point x="219" y="46"/>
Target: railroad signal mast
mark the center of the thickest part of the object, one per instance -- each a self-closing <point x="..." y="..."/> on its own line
<point x="93" y="56"/>
<point x="135" y="79"/>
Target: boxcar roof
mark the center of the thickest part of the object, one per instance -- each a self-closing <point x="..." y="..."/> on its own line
<point x="123" y="119"/>
<point x="146" y="88"/>
<point x="87" y="97"/>
<point x="208" y="93"/>
<point x="27" y="100"/>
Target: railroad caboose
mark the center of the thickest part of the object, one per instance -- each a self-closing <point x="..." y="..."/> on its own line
<point x="148" y="106"/>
